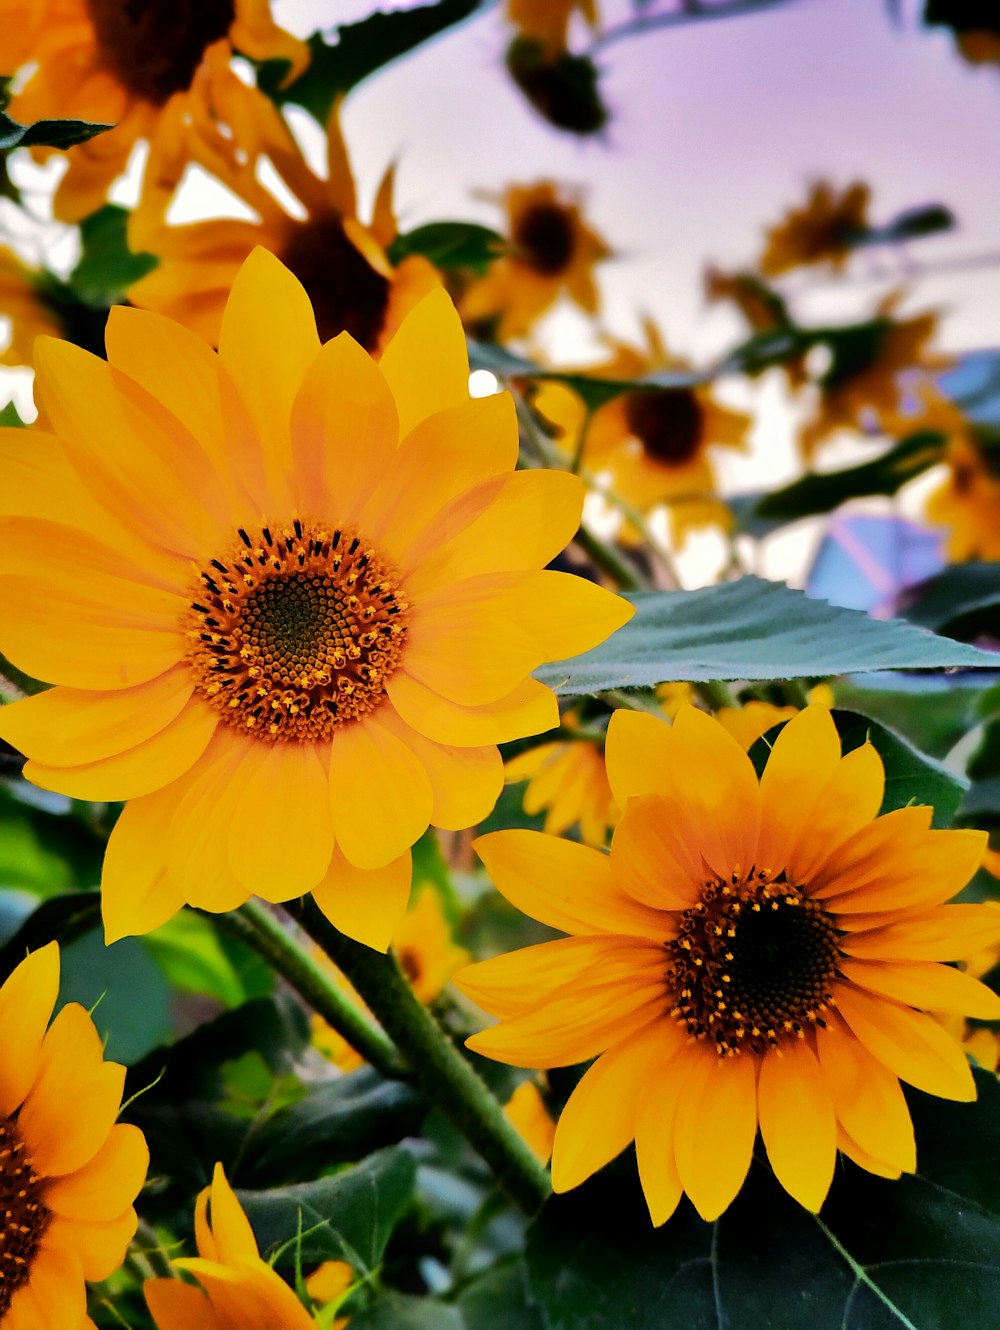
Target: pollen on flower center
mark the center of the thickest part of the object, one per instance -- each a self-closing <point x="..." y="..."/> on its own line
<point x="752" y="964"/>
<point x="544" y="239"/>
<point x="23" y="1216"/>
<point x="667" y="422"/>
<point x="295" y="631"/>
<point x="347" y="294"/>
<point x="153" y="47"/>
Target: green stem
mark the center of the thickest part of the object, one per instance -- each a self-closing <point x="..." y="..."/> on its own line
<point x="255" y="925"/>
<point x="604" y="556"/>
<point x="715" y="694"/>
<point x="436" y="1066"/>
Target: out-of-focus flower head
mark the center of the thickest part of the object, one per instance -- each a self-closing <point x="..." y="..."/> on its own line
<point x="974" y="24"/>
<point x="124" y="64"/>
<point x="824" y="230"/>
<point x="551" y="251"/>
<point x="546" y="22"/>
<point x="967" y="502"/>
<point x="341" y="262"/>
<point x="22" y="304"/>
<point x="568" y="781"/>
<point x="526" y="1112"/>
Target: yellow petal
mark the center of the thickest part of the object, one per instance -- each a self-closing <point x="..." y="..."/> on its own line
<point x="466" y="782"/>
<point x="849" y="1147"/>
<point x="564" y="614"/>
<point x="867" y="1097"/>
<point x="926" y="985"/>
<point x="177" y="1306"/>
<point x="714" y="1132"/>
<point x="365" y="904"/>
<point x="136" y="893"/>
<point x="57" y="1284"/>
<point x="100" y="1247"/>
<point x="654" y="1129"/>
<point x="638" y="755"/>
<point x="234" y="1239"/>
<point x="645" y="853"/>
<point x="426" y="363"/>
<point x="944" y="933"/>
<point x="804" y="758"/>
<point x="849" y="801"/>
<point x="108" y="1184"/>
<point x="26" y="1001"/>
<point x="938" y="865"/>
<point x="381" y="795"/>
<point x="873" y="851"/>
<point x="797" y="1122"/>
<point x="530" y="708"/>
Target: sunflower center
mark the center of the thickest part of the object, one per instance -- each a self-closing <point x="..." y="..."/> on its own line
<point x="668" y="422"/>
<point x="409" y="963"/>
<point x="295" y="631"/>
<point x="752" y="964"/>
<point x="154" y="47"/>
<point x="23" y="1217"/>
<point x="347" y="294"/>
<point x="544" y="239"/>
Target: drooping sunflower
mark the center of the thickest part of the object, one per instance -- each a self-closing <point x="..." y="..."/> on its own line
<point x="824" y="230"/>
<point x="750" y="954"/>
<point x="551" y="251"/>
<point x="341" y="262"/>
<point x="237" y="1289"/>
<point x="278" y="589"/>
<point x="69" y="1172"/>
<point x="123" y="64"/>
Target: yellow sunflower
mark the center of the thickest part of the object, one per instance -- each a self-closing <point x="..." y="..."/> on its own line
<point x="279" y="591"/>
<point x="238" y="1290"/>
<point x="967" y="503"/>
<point x="428" y="957"/>
<point x="551" y="251"/>
<point x="750" y="954"/>
<point x="124" y="64"/>
<point x="526" y="1112"/>
<point x="568" y="781"/>
<point x="69" y="1172"/>
<point x="822" y="231"/>
<point x="747" y="723"/>
<point x="24" y="309"/>
<point x="341" y="262"/>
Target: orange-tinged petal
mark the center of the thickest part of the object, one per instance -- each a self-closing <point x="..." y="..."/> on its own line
<point x="645" y="856"/>
<point x="136" y="893"/>
<point x="910" y="1043"/>
<point x="867" y="1097"/>
<point x="849" y="801"/>
<point x="804" y="758"/>
<point x="943" y="933"/>
<point x="26" y="1001"/>
<point x="849" y="1147"/>
<point x="101" y="1247"/>
<point x="25" y="1313"/>
<point x="426" y="362"/>
<point x="107" y="1185"/>
<point x="381" y="795"/>
<point x="466" y="782"/>
<point x="530" y="708"/>
<point x="280" y="832"/>
<point x="365" y="904"/>
<point x="177" y="1306"/>
<point x="344" y="431"/>
<point x="234" y="1239"/>
<point x="565" y="885"/>
<point x="797" y="1122"/>
<point x="639" y="755"/>
<point x="926" y="985"/>
<point x="654" y="1130"/>
<point x="513" y="983"/>
<point x="70" y="725"/>
<point x="148" y="766"/>
<point x="60" y="552"/>
<point x="564" y="614"/>
<point x="73" y="1103"/>
<point x="937" y="866"/>
<point x="714" y="1132"/>
<point x="872" y="851"/>
<point x="599" y="1119"/>
<point x="57" y="1283"/>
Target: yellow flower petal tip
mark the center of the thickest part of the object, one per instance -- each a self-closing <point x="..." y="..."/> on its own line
<point x="752" y="956"/>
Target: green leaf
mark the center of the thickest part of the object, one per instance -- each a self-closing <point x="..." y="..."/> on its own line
<point x="194" y="958"/>
<point x="922" y="1253"/>
<point x="751" y="629"/>
<point x="124" y="988"/>
<point x="500" y="1297"/>
<point x="959" y="597"/>
<point x="360" y="49"/>
<point x="564" y="89"/>
<point x="347" y="1217"/>
<point x="398" y="1311"/>
<point x="10" y="417"/>
<point x="931" y="711"/>
<point x="46" y="133"/>
<point x="107" y="267"/>
<point x="60" y="919"/>
<point x="449" y="245"/>
<point x="926" y="220"/>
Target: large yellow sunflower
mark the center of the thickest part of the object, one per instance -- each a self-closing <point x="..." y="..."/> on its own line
<point x="551" y="251"/>
<point x="750" y="954"/>
<point x="123" y="64"/>
<point x="238" y="1290"/>
<point x="68" y="1171"/>
<point x="341" y="262"/>
<point x="292" y="599"/>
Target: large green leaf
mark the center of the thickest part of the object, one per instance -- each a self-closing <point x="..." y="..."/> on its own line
<point x="959" y="596"/>
<point x="751" y="629"/>
<point x="922" y="1253"/>
<point x="107" y="267"/>
<point x="46" y="133"/>
<point x="360" y="49"/>
<point x="347" y="1217"/>
<point x="932" y="711"/>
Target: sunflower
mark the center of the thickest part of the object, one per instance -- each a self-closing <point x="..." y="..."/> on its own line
<point x="238" y="1290"/>
<point x="748" y="722"/>
<point x="427" y="955"/>
<point x="124" y="64"/>
<point x="568" y="781"/>
<point x="824" y="230"/>
<point x="967" y="503"/>
<point x="551" y="251"/>
<point x="749" y="954"/>
<point x="69" y="1172"/>
<point x="341" y="262"/>
<point x="278" y="591"/>
<point x="23" y="307"/>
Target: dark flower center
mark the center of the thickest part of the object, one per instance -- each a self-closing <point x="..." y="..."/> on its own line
<point x="347" y="294"/>
<point x="154" y="47"/>
<point x="668" y="422"/>
<point x="23" y="1217"/>
<point x="544" y="239"/>
<point x="752" y="964"/>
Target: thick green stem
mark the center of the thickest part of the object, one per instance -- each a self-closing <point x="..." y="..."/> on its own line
<point x="604" y="556"/>
<point x="253" y="924"/>
<point x="435" y="1066"/>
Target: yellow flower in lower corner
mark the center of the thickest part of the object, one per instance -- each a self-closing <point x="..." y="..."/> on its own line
<point x="238" y="1290"/>
<point x="292" y="599"/>
<point x="750" y="954"/>
<point x="69" y="1172"/>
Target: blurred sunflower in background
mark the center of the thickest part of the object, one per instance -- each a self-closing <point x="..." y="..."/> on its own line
<point x="824" y="230"/>
<point x="967" y="502"/>
<point x="24" y="309"/>
<point x="118" y="63"/>
<point x="567" y="780"/>
<point x="750" y="954"/>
